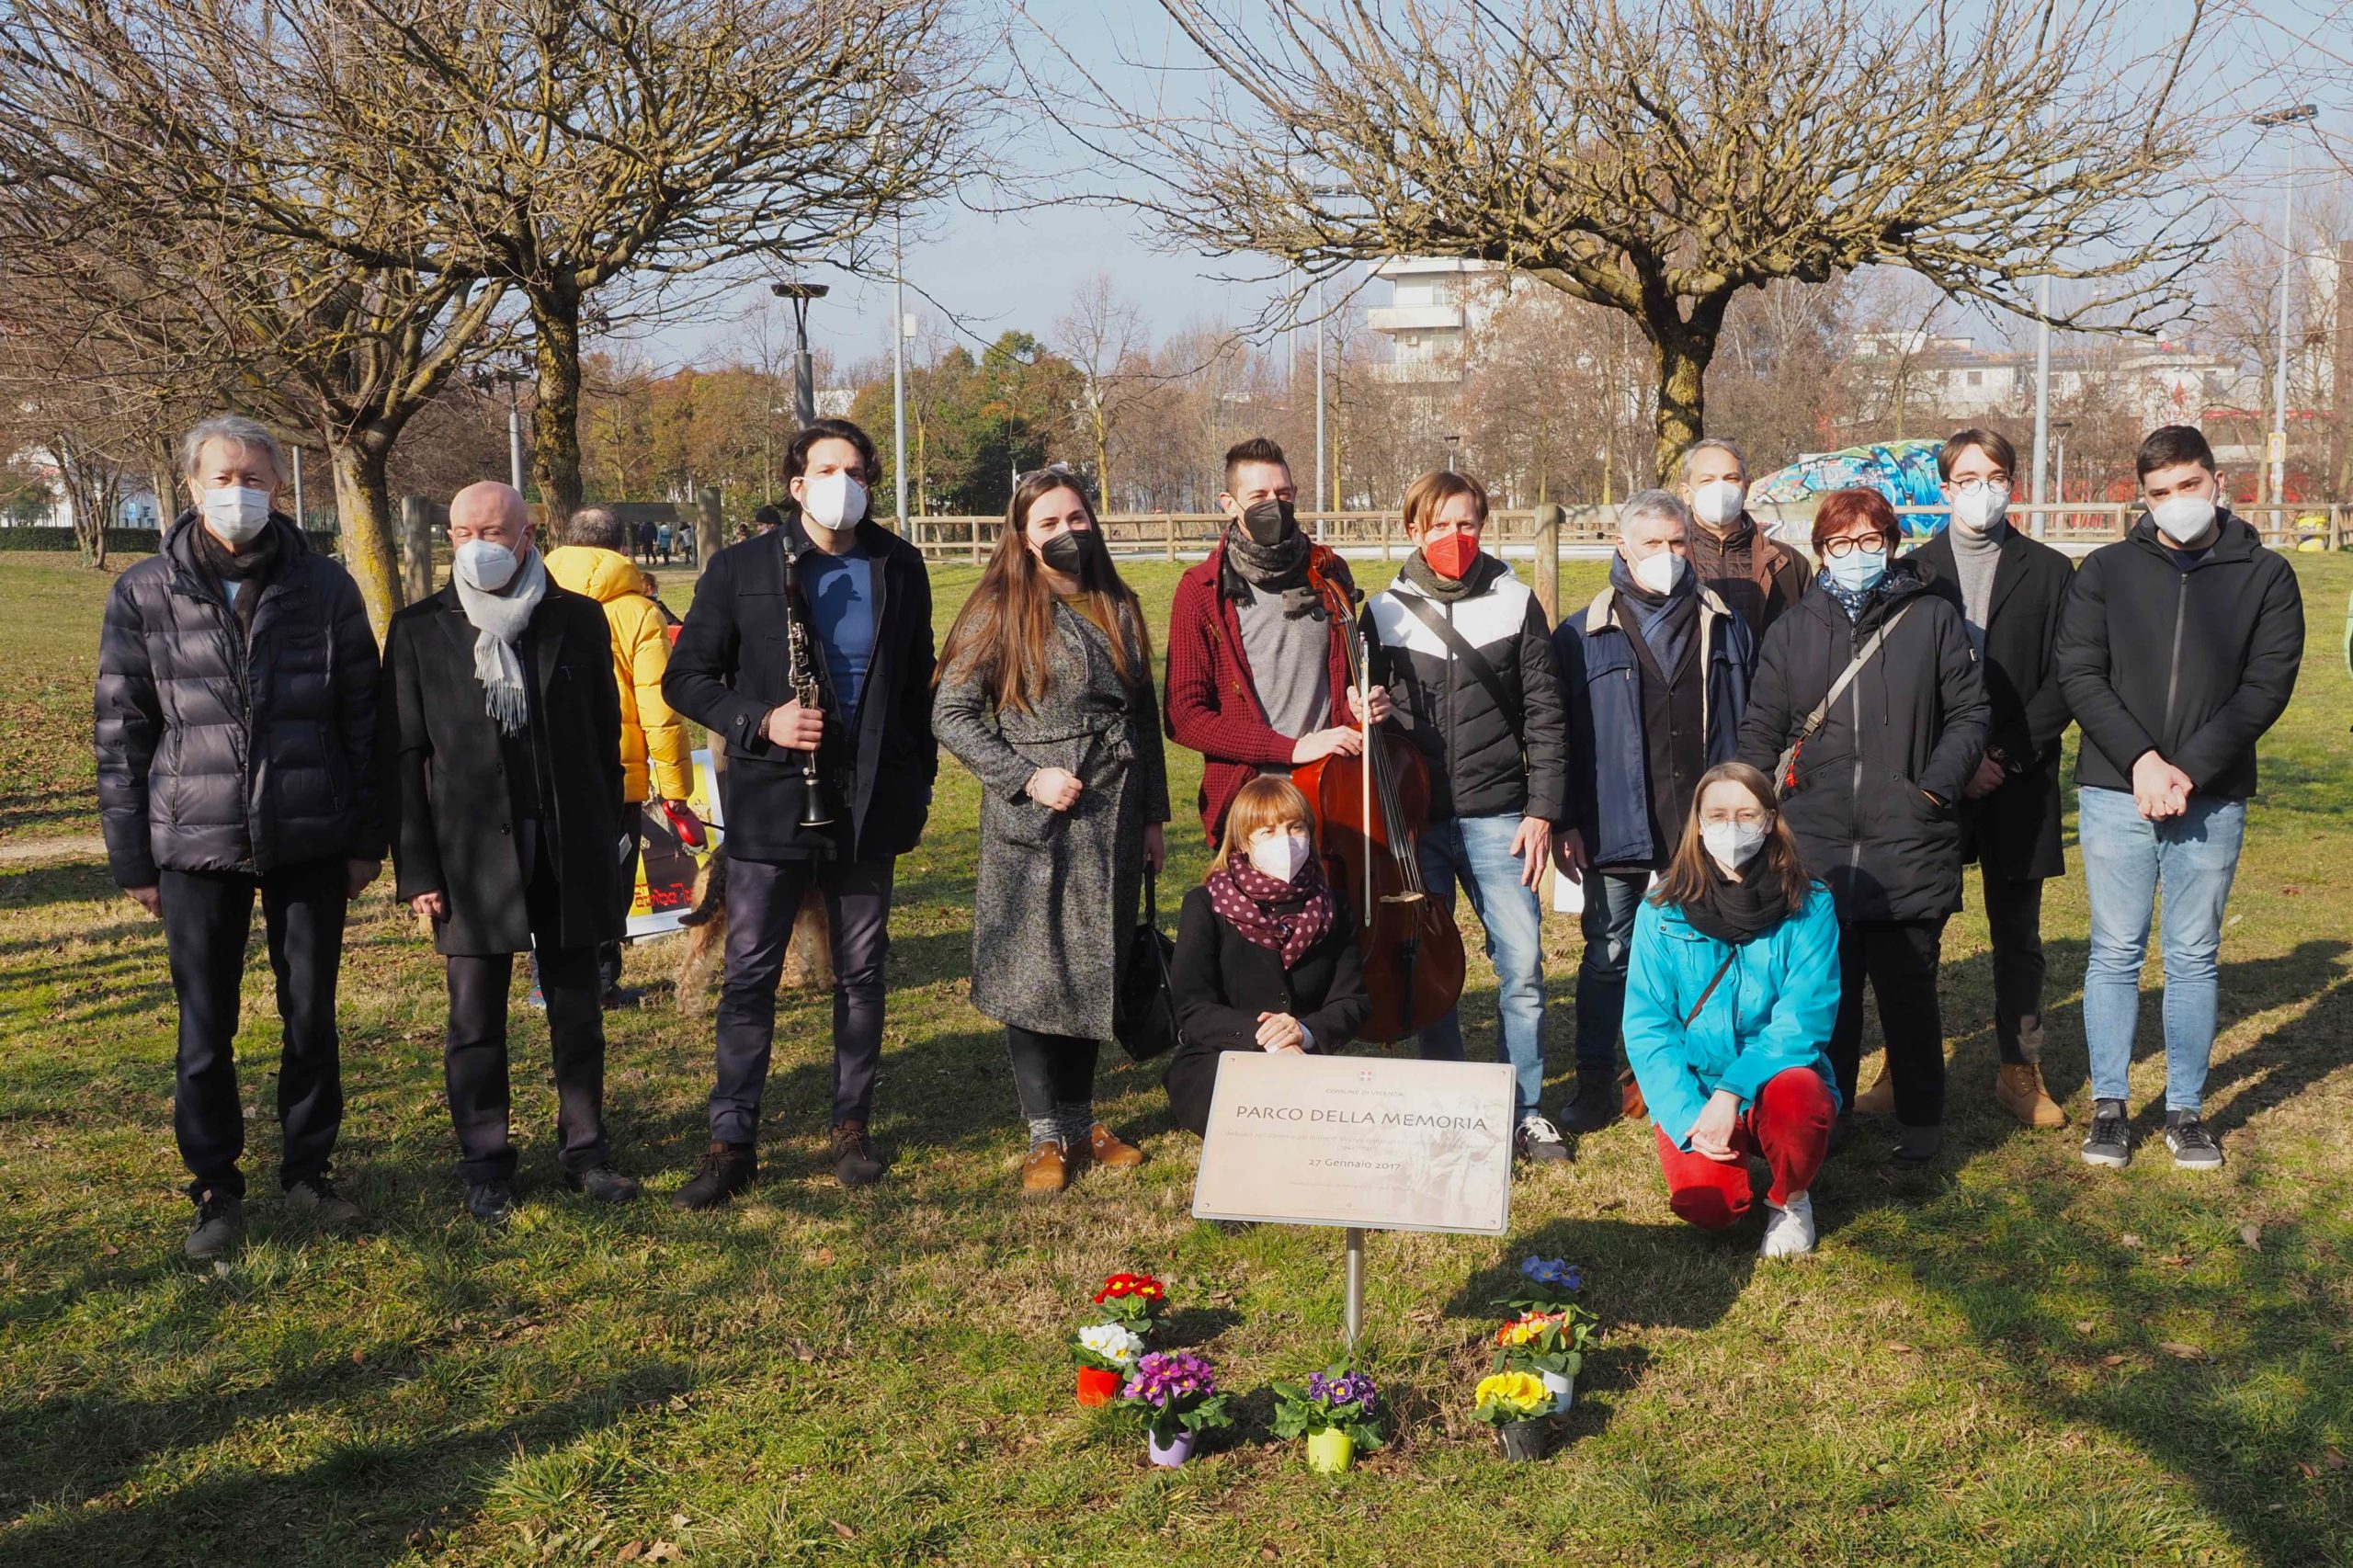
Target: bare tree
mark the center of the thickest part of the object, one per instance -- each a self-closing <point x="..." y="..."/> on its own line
<point x="1103" y="336"/>
<point x="1657" y="159"/>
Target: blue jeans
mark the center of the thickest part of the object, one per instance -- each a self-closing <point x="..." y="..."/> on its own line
<point x="1476" y="851"/>
<point x="1610" y="902"/>
<point x="2127" y="860"/>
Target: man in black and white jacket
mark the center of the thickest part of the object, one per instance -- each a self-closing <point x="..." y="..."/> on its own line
<point x="1467" y="658"/>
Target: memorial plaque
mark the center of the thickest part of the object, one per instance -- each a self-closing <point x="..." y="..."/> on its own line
<point x="1370" y="1142"/>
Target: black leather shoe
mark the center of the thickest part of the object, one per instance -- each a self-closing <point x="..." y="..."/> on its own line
<point x="727" y="1170"/>
<point x="220" y="1225"/>
<point x="602" y="1184"/>
<point x="1597" y="1103"/>
<point x="490" y="1202"/>
<point x="854" y="1161"/>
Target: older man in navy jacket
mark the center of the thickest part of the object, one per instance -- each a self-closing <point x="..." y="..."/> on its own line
<point x="1656" y="673"/>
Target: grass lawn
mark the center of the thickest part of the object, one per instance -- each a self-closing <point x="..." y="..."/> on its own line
<point x="2010" y="1359"/>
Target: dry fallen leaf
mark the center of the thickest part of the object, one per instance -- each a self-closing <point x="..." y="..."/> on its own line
<point x="2186" y="1352"/>
<point x="2334" y="1457"/>
<point x="1899" y="1347"/>
<point x="631" y="1552"/>
<point x="842" y="1529"/>
<point x="2083" y="1325"/>
<point x="2251" y="1235"/>
<point x="663" y="1551"/>
<point x="2111" y="1360"/>
<point x="2128" y="1239"/>
<point x="823" y="1257"/>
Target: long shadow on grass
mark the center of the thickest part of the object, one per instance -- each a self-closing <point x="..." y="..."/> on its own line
<point x="363" y="1502"/>
<point x="2135" y="1303"/>
<point x="69" y="881"/>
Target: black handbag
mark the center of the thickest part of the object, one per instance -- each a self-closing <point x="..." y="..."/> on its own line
<point x="1144" y="1013"/>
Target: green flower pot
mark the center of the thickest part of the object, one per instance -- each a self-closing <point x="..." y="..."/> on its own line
<point x="1330" y="1450"/>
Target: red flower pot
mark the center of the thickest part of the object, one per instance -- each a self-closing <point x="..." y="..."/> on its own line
<point x="1096" y="1386"/>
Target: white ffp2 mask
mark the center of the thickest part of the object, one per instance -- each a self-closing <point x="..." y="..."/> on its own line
<point x="1658" y="573"/>
<point x="1732" y="844"/>
<point x="1278" y="855"/>
<point x="2183" y="520"/>
<point x="1718" y="502"/>
<point x="832" y="501"/>
<point x="487" y="567"/>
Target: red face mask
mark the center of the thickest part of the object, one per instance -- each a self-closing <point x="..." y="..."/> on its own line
<point x="1450" y="556"/>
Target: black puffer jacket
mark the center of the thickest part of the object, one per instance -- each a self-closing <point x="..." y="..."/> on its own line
<point x="218" y="756"/>
<point x="1911" y="725"/>
<point x="2194" y="664"/>
<point x="1483" y="760"/>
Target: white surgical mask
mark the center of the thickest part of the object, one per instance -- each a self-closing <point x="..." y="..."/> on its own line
<point x="832" y="501"/>
<point x="1718" y="501"/>
<point x="1977" y="510"/>
<point x="1658" y="573"/>
<point x="236" y="514"/>
<point x="2184" y="519"/>
<point x="1732" y="844"/>
<point x="1278" y="855"/>
<point x="485" y="567"/>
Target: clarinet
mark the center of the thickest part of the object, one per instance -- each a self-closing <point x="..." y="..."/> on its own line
<point x="802" y="672"/>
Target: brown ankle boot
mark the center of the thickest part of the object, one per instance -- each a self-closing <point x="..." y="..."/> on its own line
<point x="1105" y="1148"/>
<point x="854" y="1161"/>
<point x="1046" y="1171"/>
<point x="2018" y="1088"/>
<point x="1880" y="1098"/>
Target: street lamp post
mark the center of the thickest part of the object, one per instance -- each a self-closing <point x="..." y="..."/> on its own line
<point x="804" y="369"/>
<point x="2284" y="119"/>
<point x="899" y="368"/>
<point x="2042" y="399"/>
<point x="2059" y="428"/>
<point x="1453" y="445"/>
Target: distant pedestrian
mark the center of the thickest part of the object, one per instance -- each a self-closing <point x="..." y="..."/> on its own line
<point x="236" y="749"/>
<point x="663" y="537"/>
<point x="2177" y="649"/>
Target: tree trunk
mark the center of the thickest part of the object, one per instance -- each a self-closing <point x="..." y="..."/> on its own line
<point x="555" y="415"/>
<point x="1683" y="350"/>
<point x="363" y="501"/>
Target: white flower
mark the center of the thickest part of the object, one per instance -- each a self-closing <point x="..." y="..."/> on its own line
<point x="1114" y="1343"/>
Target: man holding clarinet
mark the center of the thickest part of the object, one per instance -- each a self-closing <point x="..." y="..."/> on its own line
<point x="808" y="655"/>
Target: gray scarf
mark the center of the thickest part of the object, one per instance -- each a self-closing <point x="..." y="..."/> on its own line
<point x="499" y="618"/>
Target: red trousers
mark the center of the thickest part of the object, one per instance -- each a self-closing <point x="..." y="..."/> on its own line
<point x="1789" y="1124"/>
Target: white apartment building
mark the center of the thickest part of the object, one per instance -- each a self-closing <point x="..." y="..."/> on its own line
<point x="1436" y="304"/>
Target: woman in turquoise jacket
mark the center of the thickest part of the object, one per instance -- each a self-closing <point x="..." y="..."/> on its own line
<point x="1730" y="993"/>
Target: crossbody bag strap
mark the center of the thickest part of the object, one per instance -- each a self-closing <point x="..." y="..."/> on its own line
<point x="1714" y="981"/>
<point x="1469" y="658"/>
<point x="1783" y="770"/>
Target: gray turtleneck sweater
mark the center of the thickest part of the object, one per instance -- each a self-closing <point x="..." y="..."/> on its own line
<point x="1974" y="558"/>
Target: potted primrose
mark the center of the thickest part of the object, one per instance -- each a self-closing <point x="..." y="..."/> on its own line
<point x="1516" y="1404"/>
<point x="1133" y="1300"/>
<point x="1178" y="1392"/>
<point x="1106" y="1354"/>
<point x="1335" y="1412"/>
<point x="1551" y="1334"/>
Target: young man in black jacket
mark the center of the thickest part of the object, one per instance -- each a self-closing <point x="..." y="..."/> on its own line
<point x="502" y="737"/>
<point x="236" y="738"/>
<point x="2010" y="590"/>
<point x="2179" y="648"/>
<point x="861" y="601"/>
<point x="1463" y="648"/>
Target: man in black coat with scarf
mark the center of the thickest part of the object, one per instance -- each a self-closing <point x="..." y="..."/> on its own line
<point x="501" y="745"/>
<point x="2010" y="590"/>
<point x="861" y="601"/>
<point x="236" y="732"/>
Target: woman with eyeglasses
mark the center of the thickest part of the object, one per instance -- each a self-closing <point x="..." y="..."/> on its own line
<point x="1866" y="714"/>
<point x="1046" y="695"/>
<point x="1730" y="991"/>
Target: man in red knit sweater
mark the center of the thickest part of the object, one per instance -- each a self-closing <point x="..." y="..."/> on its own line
<point x="1257" y="666"/>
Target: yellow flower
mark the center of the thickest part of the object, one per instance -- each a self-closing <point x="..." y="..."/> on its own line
<point x="1520" y="1389"/>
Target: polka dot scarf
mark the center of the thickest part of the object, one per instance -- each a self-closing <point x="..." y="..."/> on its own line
<point x="1245" y="896"/>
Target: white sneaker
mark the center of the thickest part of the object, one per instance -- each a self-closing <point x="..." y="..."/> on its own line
<point x="1538" y="1138"/>
<point x="1790" y="1233"/>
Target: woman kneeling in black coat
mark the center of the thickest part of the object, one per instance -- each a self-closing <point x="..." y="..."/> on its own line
<point x="1265" y="949"/>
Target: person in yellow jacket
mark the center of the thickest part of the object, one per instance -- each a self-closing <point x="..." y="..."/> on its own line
<point x="655" y="758"/>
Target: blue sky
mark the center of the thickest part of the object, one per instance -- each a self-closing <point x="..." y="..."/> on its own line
<point x="992" y="271"/>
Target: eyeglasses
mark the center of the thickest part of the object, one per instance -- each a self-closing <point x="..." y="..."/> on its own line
<point x="1974" y="486"/>
<point x="1059" y="469"/>
<point x="1839" y="549"/>
<point x="1751" y="816"/>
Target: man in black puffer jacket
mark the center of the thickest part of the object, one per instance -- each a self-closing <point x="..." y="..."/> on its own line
<point x="2179" y="648"/>
<point x="1467" y="656"/>
<point x="236" y="724"/>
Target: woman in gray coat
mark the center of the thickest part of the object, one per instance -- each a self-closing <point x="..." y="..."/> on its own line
<point x="1046" y="695"/>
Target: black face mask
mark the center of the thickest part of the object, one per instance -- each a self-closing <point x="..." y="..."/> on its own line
<point x="1270" y="522"/>
<point x="1068" y="552"/>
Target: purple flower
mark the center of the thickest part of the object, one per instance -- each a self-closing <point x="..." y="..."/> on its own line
<point x="1162" y="1379"/>
<point x="1349" y="1388"/>
<point x="1553" y="1271"/>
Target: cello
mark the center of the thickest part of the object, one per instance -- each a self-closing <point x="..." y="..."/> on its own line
<point x="1372" y="808"/>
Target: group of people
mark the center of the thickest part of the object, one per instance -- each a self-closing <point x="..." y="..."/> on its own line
<point x="1764" y="779"/>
